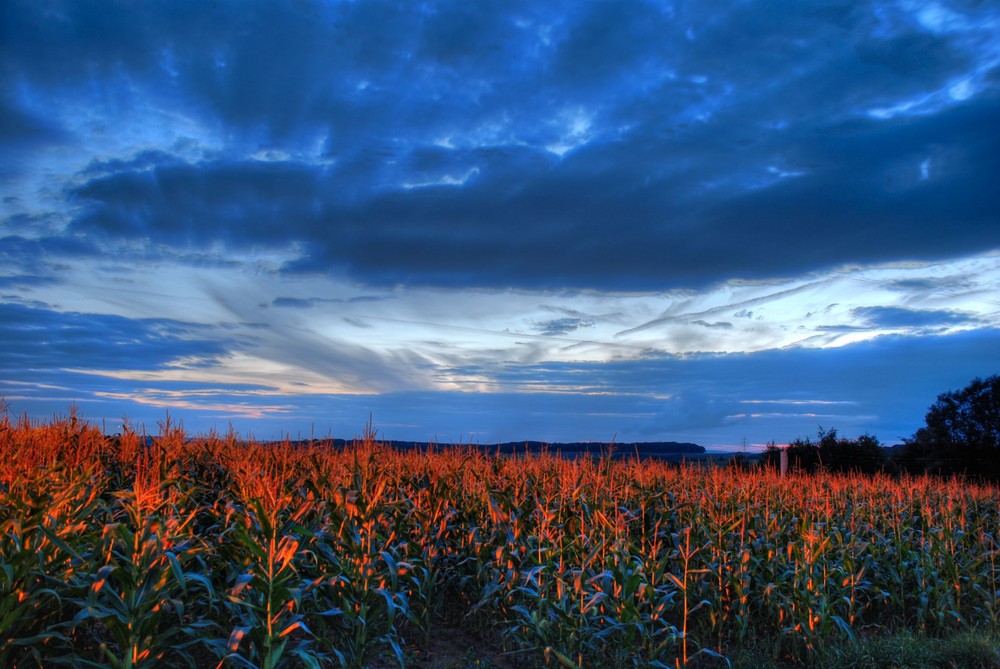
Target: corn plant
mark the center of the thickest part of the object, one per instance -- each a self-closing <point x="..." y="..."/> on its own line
<point x="148" y="585"/>
<point x="262" y="537"/>
<point x="40" y="551"/>
<point x="365" y="528"/>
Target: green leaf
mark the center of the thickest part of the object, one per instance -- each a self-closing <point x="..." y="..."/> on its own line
<point x="309" y="659"/>
<point x="177" y="571"/>
<point x="242" y="581"/>
<point x="842" y="624"/>
<point x="563" y="660"/>
<point x="331" y="612"/>
<point x="239" y="661"/>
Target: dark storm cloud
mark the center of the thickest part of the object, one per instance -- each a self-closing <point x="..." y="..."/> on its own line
<point x="243" y="204"/>
<point x="499" y="144"/>
<point x="866" y="201"/>
<point x="557" y="228"/>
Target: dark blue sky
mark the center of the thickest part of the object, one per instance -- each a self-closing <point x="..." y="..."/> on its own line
<point x="495" y="221"/>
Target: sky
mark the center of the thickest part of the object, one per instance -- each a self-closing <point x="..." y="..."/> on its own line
<point x="478" y="222"/>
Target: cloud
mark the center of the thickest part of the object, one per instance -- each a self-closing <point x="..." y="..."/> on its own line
<point x="296" y="302"/>
<point x="933" y="284"/>
<point x="562" y="326"/>
<point x="22" y="130"/>
<point x="145" y="367"/>
<point x="699" y="395"/>
<point x="708" y="399"/>
<point x="552" y="230"/>
<point x="34" y="338"/>
<point x="310" y="302"/>
<point x="681" y="147"/>
<point x="192" y="205"/>
<point x="41" y="257"/>
<point x="357" y="322"/>
<point x="721" y="325"/>
<point x="897" y="317"/>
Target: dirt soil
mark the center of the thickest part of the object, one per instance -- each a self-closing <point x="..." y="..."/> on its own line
<point x="453" y="648"/>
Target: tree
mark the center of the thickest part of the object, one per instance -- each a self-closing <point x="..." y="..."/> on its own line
<point x="962" y="433"/>
<point x="863" y="454"/>
<point x="803" y="456"/>
<point x="830" y="453"/>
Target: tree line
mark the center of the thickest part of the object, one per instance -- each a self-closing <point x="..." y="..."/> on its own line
<point x="961" y="437"/>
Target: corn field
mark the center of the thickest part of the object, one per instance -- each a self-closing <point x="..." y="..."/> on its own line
<point x="175" y="552"/>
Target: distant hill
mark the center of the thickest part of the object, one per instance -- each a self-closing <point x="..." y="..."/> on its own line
<point x="643" y="449"/>
<point x="672" y="450"/>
